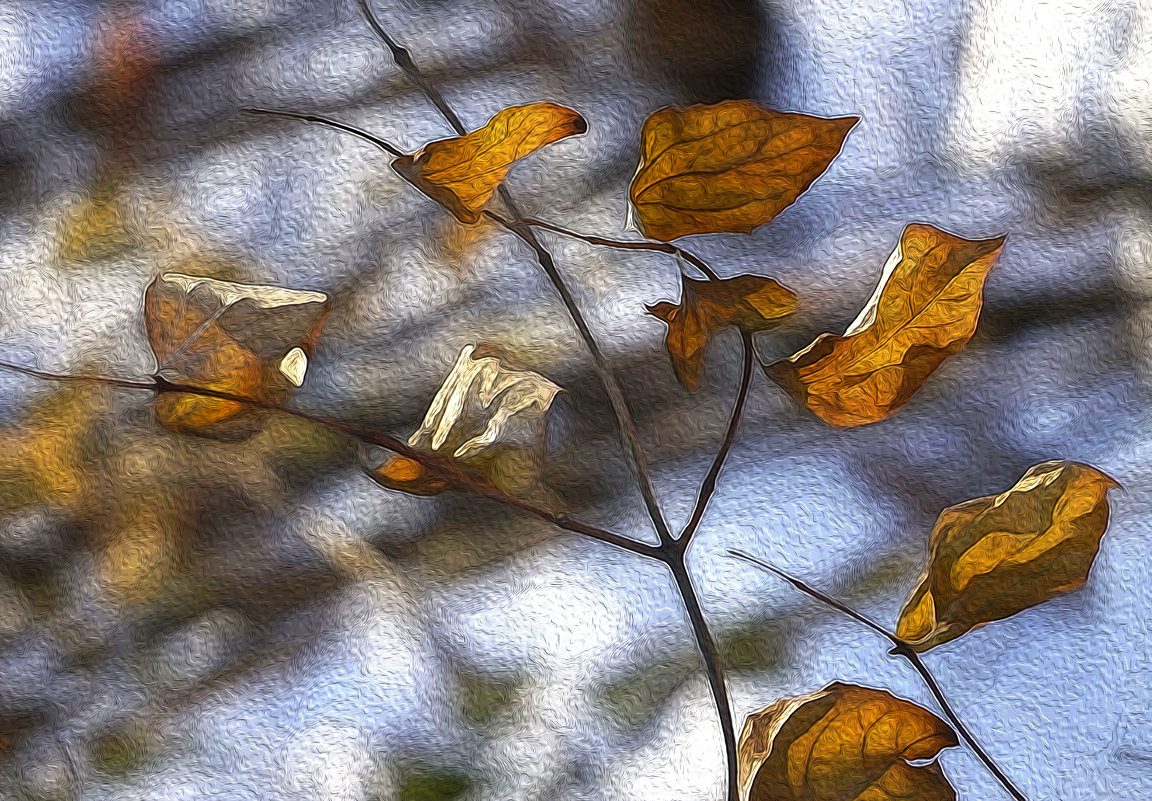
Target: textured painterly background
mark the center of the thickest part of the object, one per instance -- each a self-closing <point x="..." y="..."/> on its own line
<point x="188" y="619"/>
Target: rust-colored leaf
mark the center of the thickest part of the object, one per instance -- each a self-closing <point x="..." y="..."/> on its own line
<point x="241" y="339"/>
<point x="730" y="167"/>
<point x="844" y="742"/>
<point x="488" y="418"/>
<point x="924" y="310"/>
<point x="462" y="173"/>
<point x="749" y="302"/>
<point x="993" y="557"/>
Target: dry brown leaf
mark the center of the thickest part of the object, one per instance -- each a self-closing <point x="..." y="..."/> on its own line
<point x="462" y="173"/>
<point x="924" y="310"/>
<point x="488" y="418"/>
<point x="730" y="167"/>
<point x="749" y="302"/>
<point x="993" y="557"/>
<point x="245" y="340"/>
<point x="844" y="743"/>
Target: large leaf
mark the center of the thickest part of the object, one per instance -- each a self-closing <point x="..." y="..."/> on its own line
<point x="462" y="173"/>
<point x="844" y="743"/>
<point x="993" y="557"/>
<point x="730" y="167"/>
<point x="924" y="310"/>
<point x="246" y="340"/>
<point x="749" y="302"/>
<point x="488" y="418"/>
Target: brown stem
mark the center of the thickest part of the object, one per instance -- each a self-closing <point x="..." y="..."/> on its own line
<point x="900" y="648"/>
<point x="384" y="145"/>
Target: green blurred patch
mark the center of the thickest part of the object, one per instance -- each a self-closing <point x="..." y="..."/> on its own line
<point x="427" y="783"/>
<point x="119" y="750"/>
<point x="485" y="700"/>
<point x="756" y="646"/>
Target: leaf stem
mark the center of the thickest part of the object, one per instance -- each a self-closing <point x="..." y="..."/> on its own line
<point x="384" y="145"/>
<point x="900" y="648"/>
<point x="708" y="485"/>
<point x="440" y="466"/>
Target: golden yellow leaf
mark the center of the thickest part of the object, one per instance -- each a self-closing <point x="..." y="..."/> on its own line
<point x="924" y="310"/>
<point x="251" y="341"/>
<point x="462" y="173"/>
<point x="749" y="302"/>
<point x="844" y="743"/>
<point x="730" y="167"/>
<point x="993" y="557"/>
<point x="488" y="418"/>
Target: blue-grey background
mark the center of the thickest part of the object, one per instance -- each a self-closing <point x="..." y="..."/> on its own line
<point x="196" y="620"/>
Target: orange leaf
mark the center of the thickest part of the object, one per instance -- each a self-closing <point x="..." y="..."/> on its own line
<point x="924" y="310"/>
<point x="251" y="341"/>
<point x="728" y="167"/>
<point x="749" y="302"/>
<point x="462" y="173"/>
<point x="844" y="742"/>
<point x="993" y="557"/>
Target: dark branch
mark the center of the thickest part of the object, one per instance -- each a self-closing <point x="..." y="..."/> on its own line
<point x="380" y="143"/>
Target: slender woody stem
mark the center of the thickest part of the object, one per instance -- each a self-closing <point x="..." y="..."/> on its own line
<point x="384" y="145"/>
<point x="900" y="648"/>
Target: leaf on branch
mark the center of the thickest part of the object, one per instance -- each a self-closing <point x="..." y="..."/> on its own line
<point x="241" y="339"/>
<point x="924" y="310"/>
<point x="844" y="742"/>
<point x="749" y="302"/>
<point x="993" y="557"/>
<point x="489" y="419"/>
<point x="730" y="167"/>
<point x="462" y="173"/>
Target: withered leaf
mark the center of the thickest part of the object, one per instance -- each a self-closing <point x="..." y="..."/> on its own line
<point x="844" y="742"/>
<point x="488" y="418"/>
<point x="992" y="557"/>
<point x="242" y="339"/>
<point x="729" y="167"/>
<point x="749" y="302"/>
<point x="462" y="173"/>
<point x="924" y="310"/>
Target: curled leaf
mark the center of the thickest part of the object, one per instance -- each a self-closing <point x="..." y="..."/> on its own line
<point x="844" y="742"/>
<point x="729" y="167"/>
<point x="489" y="418"/>
<point x="924" y="310"/>
<point x="241" y="339"/>
<point x="749" y="302"/>
<point x="462" y="173"/>
<point x="993" y="557"/>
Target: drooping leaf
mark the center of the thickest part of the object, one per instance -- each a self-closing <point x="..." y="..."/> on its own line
<point x="246" y="340"/>
<point x="462" y="173"/>
<point x="992" y="557"/>
<point x="924" y="310"/>
<point x="749" y="302"/>
<point x="488" y="418"/>
<point x="844" y="742"/>
<point x="729" y="167"/>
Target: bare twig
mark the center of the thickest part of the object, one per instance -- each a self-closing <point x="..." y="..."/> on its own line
<point x="384" y="145"/>
<point x="900" y="648"/>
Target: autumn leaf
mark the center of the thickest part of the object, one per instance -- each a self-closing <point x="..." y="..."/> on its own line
<point x="924" y="310"/>
<point x="844" y="742"/>
<point x="730" y="167"/>
<point x="462" y="173"/>
<point x="993" y="557"/>
<point x="241" y="339"/>
<point x="488" y="418"/>
<point x="749" y="302"/>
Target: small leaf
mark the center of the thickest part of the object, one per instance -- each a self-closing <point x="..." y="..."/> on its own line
<point x="924" y="310"/>
<point x="993" y="557"/>
<point x="489" y="418"/>
<point x="462" y="173"/>
<point x="749" y="302"/>
<point x="844" y="742"/>
<point x="245" y="340"/>
<point x="730" y="167"/>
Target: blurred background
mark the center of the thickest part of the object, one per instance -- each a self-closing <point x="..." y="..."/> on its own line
<point x="191" y="619"/>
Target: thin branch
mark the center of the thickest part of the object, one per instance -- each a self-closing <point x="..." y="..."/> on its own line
<point x="900" y="648"/>
<point x="708" y="485"/>
<point x="384" y="145"/>
<point x="441" y="467"/>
